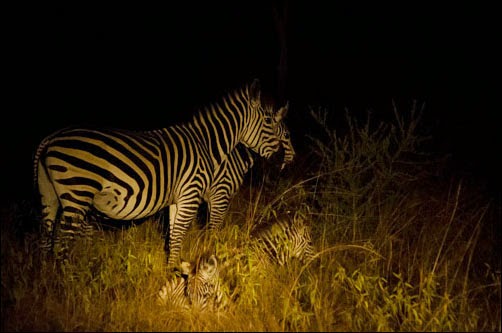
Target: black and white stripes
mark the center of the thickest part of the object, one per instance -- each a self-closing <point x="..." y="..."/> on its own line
<point x="128" y="175"/>
<point x="284" y="239"/>
<point x="198" y="287"/>
<point x="230" y="174"/>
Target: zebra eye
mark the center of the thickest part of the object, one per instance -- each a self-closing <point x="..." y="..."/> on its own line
<point x="286" y="136"/>
<point x="268" y="120"/>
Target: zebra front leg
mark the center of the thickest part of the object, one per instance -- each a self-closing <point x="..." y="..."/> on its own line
<point x="181" y="215"/>
<point x="217" y="212"/>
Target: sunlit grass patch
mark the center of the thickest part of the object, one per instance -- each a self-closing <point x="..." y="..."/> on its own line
<point x="399" y="247"/>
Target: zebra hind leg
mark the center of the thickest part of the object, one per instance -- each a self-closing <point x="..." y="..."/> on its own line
<point x="46" y="241"/>
<point x="72" y="227"/>
<point x="48" y="231"/>
<point x="50" y="214"/>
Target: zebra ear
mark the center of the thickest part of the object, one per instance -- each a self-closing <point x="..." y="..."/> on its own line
<point x="282" y="112"/>
<point x="209" y="265"/>
<point x="255" y="93"/>
<point x="213" y="261"/>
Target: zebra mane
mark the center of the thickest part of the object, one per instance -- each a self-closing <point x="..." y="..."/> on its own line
<point x="229" y="112"/>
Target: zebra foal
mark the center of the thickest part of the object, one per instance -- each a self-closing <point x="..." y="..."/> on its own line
<point x="197" y="288"/>
<point x="285" y="239"/>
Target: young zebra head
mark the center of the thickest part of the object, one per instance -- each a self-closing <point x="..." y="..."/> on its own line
<point x="203" y="284"/>
<point x="197" y="288"/>
<point x="284" y="240"/>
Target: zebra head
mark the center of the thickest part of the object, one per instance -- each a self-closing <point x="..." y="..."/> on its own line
<point x="284" y="240"/>
<point x="285" y="137"/>
<point x="261" y="133"/>
<point x="203" y="285"/>
<point x="302" y="247"/>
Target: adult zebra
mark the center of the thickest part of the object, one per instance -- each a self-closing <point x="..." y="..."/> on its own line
<point x="230" y="174"/>
<point x="128" y="175"/>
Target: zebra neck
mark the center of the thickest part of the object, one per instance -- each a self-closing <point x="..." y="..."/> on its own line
<point x="220" y="127"/>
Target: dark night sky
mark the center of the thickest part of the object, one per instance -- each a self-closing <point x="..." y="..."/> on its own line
<point x="148" y="67"/>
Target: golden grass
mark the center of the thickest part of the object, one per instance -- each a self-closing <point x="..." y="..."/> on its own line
<point x="398" y="249"/>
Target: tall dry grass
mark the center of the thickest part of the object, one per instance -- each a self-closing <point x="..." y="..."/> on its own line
<point x="401" y="246"/>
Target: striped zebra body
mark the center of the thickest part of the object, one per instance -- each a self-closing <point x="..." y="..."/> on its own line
<point x="173" y="293"/>
<point x="230" y="174"/>
<point x="198" y="288"/>
<point x="128" y="175"/>
<point x="284" y="240"/>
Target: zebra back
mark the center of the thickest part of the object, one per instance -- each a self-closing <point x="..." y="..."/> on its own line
<point x="174" y="292"/>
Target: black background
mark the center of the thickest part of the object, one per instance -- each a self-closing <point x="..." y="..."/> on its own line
<point x="143" y="67"/>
